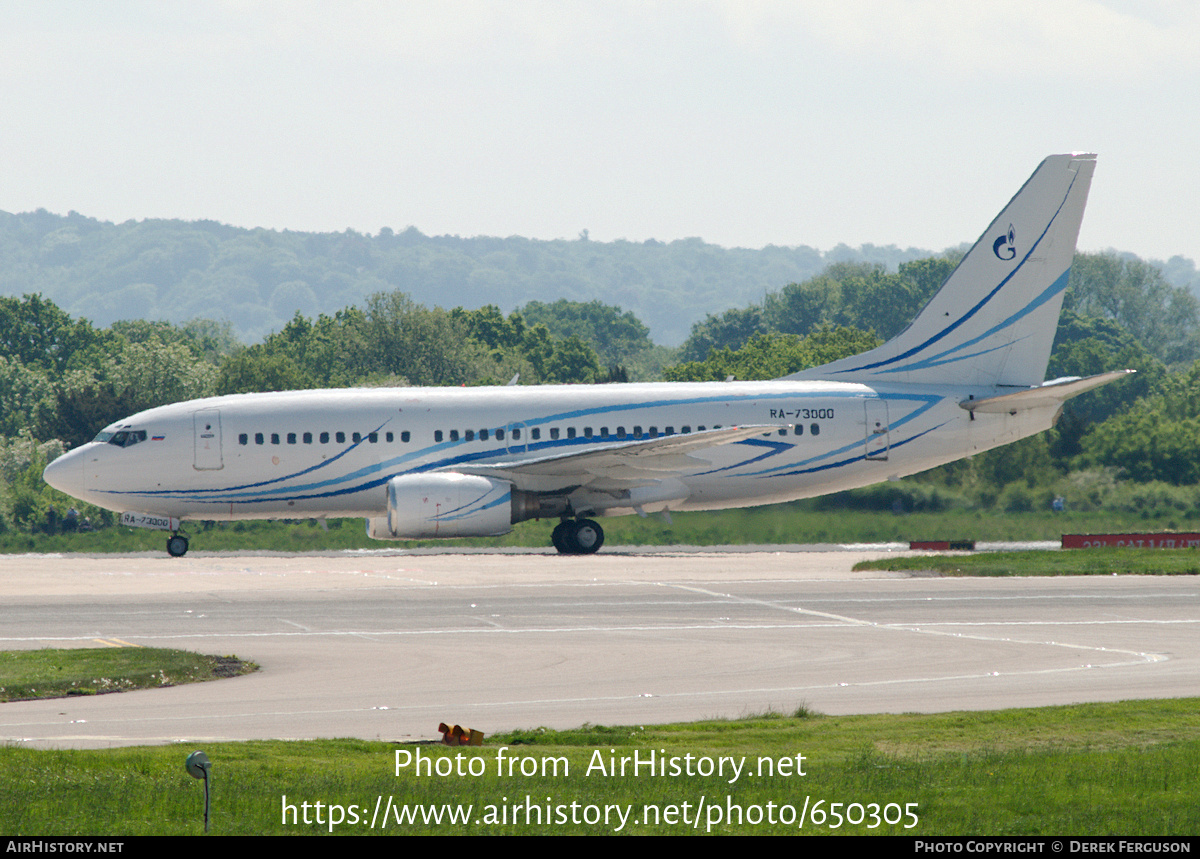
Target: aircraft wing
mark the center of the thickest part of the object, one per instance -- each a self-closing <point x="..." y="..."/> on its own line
<point x="621" y="465"/>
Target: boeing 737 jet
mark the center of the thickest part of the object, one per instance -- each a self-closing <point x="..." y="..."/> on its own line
<point x="966" y="375"/>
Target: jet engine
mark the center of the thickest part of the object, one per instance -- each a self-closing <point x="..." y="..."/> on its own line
<point x="448" y="504"/>
<point x="444" y="505"/>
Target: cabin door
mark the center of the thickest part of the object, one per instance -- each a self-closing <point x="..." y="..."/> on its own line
<point x="206" y="428"/>
<point x="877" y="428"/>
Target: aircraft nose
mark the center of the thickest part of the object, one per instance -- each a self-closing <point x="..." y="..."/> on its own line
<point x="66" y="474"/>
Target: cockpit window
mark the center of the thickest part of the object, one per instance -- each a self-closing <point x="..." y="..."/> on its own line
<point x="126" y="438"/>
<point x="103" y="436"/>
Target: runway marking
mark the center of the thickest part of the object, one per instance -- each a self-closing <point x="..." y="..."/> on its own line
<point x="923" y="630"/>
<point x="1113" y="622"/>
<point x="720" y="625"/>
<point x="14" y="707"/>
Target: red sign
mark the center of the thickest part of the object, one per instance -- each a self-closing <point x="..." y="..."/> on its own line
<point x="1132" y="541"/>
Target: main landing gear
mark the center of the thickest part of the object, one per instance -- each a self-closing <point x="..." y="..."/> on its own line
<point x="177" y="545"/>
<point x="577" y="537"/>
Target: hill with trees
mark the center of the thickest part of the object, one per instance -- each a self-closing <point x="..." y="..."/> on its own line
<point x="259" y="279"/>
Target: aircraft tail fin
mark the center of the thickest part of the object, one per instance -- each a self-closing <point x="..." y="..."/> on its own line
<point x="994" y="319"/>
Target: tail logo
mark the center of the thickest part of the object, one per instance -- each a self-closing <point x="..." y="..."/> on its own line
<point x="1005" y="247"/>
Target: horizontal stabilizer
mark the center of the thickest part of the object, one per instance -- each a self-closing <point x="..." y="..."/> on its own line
<point x="1049" y="394"/>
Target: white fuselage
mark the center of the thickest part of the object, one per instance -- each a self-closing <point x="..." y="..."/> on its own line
<point x="332" y="453"/>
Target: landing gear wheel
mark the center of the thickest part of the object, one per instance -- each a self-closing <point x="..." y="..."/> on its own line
<point x="560" y="537"/>
<point x="581" y="537"/>
<point x="587" y="537"/>
<point x="177" y="546"/>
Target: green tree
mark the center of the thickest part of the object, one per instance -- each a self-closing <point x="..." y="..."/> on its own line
<point x="1158" y="438"/>
<point x="39" y="334"/>
<point x="770" y="356"/>
<point x="616" y="336"/>
<point x="1165" y="319"/>
<point x="140" y="376"/>
<point x="729" y="330"/>
<point x="27" y="399"/>
<point x="257" y="370"/>
<point x="424" y="346"/>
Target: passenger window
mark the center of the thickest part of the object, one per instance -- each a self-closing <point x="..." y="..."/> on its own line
<point x="470" y="435"/>
<point x="405" y="436"/>
<point x="291" y="438"/>
<point x="637" y="432"/>
<point x="324" y="438"/>
<point x="341" y="438"/>
<point x="815" y="429"/>
<point x="258" y="438"/>
<point x="274" y="438"/>
<point x="570" y="432"/>
<point x="483" y="435"/>
<point x="373" y="437"/>
<point x="783" y="431"/>
<point x="500" y="434"/>
<point x="620" y="432"/>
<point x="534" y="433"/>
<point x="243" y="438"/>
<point x="437" y="435"/>
<point x="553" y="432"/>
<point x="390" y="438"/>
<point x="453" y="435"/>
<point x="308" y="438"/>
<point x="587" y="432"/>
<point x="669" y="431"/>
<point x="798" y="429"/>
<point x="357" y="437"/>
<point x="653" y="432"/>
<point x="686" y="429"/>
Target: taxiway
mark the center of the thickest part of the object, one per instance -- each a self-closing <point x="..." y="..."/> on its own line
<point x="386" y="645"/>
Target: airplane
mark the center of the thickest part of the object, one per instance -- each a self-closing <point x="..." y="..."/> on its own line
<point x="967" y="375"/>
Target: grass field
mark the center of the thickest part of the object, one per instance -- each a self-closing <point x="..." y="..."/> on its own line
<point x="1129" y="768"/>
<point x="798" y="522"/>
<point x="1074" y="562"/>
<point x="50" y="673"/>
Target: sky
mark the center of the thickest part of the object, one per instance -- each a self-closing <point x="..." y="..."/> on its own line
<point x="905" y="122"/>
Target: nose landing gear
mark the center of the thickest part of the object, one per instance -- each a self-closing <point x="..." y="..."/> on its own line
<point x="577" y="537"/>
<point x="177" y="545"/>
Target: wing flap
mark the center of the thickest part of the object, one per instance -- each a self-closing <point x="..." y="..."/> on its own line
<point x="619" y="465"/>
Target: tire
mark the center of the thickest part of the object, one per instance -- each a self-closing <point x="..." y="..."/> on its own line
<point x="177" y="546"/>
<point x="560" y="537"/>
<point x="587" y="537"/>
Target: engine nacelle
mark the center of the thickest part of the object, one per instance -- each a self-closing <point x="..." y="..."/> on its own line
<point x="444" y="504"/>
